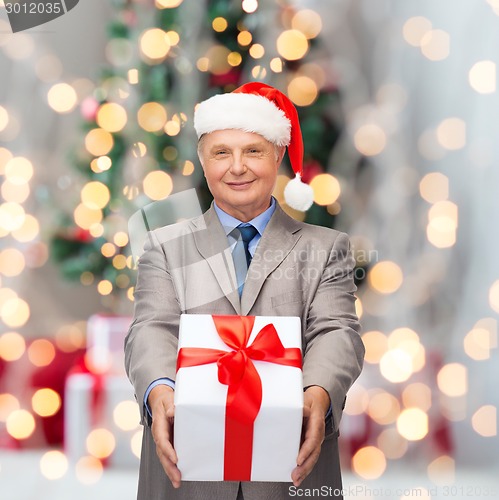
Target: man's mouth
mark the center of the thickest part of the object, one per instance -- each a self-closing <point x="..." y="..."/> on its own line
<point x="239" y="184"/>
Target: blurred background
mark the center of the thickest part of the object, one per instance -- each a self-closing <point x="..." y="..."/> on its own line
<point x="398" y="104"/>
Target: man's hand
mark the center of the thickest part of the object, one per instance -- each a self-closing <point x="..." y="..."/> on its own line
<point x="161" y="404"/>
<point x="316" y="405"/>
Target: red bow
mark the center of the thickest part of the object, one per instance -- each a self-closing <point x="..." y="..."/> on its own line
<point x="236" y="369"/>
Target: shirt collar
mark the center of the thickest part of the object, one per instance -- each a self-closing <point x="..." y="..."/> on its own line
<point x="259" y="222"/>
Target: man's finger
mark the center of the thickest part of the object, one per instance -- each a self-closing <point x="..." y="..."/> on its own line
<point x="170" y="468"/>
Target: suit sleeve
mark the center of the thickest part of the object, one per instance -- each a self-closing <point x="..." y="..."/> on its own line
<point x="151" y="342"/>
<point x="334" y="352"/>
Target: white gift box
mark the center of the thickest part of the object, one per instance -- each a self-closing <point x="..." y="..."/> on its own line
<point x="81" y="417"/>
<point x="200" y="406"/>
<point x="105" y="342"/>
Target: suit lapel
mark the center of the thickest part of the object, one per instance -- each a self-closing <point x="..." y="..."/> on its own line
<point x="280" y="236"/>
<point x="212" y="244"/>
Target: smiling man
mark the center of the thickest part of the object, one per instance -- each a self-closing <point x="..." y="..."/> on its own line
<point x="191" y="267"/>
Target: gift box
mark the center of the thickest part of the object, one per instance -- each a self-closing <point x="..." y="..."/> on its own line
<point x="103" y="403"/>
<point x="238" y="397"/>
<point x="105" y="340"/>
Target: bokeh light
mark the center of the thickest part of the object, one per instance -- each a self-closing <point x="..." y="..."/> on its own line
<point x="276" y="65"/>
<point x="435" y="45"/>
<point x="234" y="59"/>
<point x="384" y="408"/>
<point x="8" y="404"/>
<point x="412" y="424"/>
<point x="120" y="239"/>
<point x="396" y="365"/>
<point x="326" y="189"/>
<point x="218" y="59"/>
<point x="95" y="195"/>
<point x="452" y="379"/>
<point x="152" y="116"/>
<point x="443" y="220"/>
<point x="20" y="424"/>
<point x="86" y="217"/>
<point x="17" y="193"/>
<point x="18" y="170"/>
<point x="41" y="352"/>
<point x="256" y="51"/>
<point x="104" y="287"/>
<point x="484" y="421"/>
<point x="417" y="395"/>
<point x="434" y="187"/>
<point x="370" y="139"/>
<point x="376" y="345"/>
<point x="99" y="142"/>
<point x="5" y="157"/>
<point x="385" y="277"/>
<point x="89" y="470"/>
<point x="244" y="38"/>
<point x="100" y="443"/>
<point x="11" y="262"/>
<point x="494" y="296"/>
<point x="62" y="98"/>
<point x="154" y="45"/>
<point x="188" y="168"/>
<point x="414" y="29"/>
<point x="482" y="77"/>
<point x="4" y="118"/>
<point x="250" y="6"/>
<point x="292" y="45"/>
<point x="477" y="343"/>
<point x="28" y="231"/>
<point x="46" y="402"/>
<point x="308" y="22"/>
<point x="392" y="444"/>
<point x="158" y="185"/>
<point x="12" y="216"/>
<point x="126" y="415"/>
<point x="53" y="464"/>
<point x="15" y="312"/>
<point x="168" y="4"/>
<point x="451" y="133"/>
<point x="357" y="401"/>
<point x="302" y="90"/>
<point x="136" y="443"/>
<point x="111" y="117"/>
<point x="442" y="470"/>
<point x="369" y="462"/>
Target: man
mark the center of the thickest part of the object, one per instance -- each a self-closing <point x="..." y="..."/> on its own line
<point x="295" y="269"/>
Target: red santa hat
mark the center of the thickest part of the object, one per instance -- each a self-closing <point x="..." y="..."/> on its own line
<point x="262" y="109"/>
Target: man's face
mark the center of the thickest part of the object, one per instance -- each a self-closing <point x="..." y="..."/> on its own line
<point x="241" y="171"/>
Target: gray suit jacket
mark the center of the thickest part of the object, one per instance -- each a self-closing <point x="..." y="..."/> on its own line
<point x="298" y="270"/>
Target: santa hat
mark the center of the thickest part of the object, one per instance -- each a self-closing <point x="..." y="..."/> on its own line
<point x="260" y="108"/>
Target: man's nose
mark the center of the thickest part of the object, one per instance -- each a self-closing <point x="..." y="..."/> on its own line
<point x="238" y="166"/>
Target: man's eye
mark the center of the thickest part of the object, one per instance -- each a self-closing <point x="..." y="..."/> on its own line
<point x="254" y="151"/>
<point x="221" y="152"/>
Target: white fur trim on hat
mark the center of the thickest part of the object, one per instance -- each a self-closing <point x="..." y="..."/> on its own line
<point x="246" y="112"/>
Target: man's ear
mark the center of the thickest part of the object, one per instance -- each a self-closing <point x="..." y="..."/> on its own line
<point x="280" y="154"/>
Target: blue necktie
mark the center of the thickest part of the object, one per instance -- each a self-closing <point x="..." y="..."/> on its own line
<point x="241" y="255"/>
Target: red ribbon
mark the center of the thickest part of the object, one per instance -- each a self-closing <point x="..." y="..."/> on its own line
<point x="244" y="395"/>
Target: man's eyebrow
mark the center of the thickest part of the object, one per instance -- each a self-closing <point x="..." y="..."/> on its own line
<point x="246" y="146"/>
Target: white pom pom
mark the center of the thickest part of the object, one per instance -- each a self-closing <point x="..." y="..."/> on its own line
<point x="298" y="195"/>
